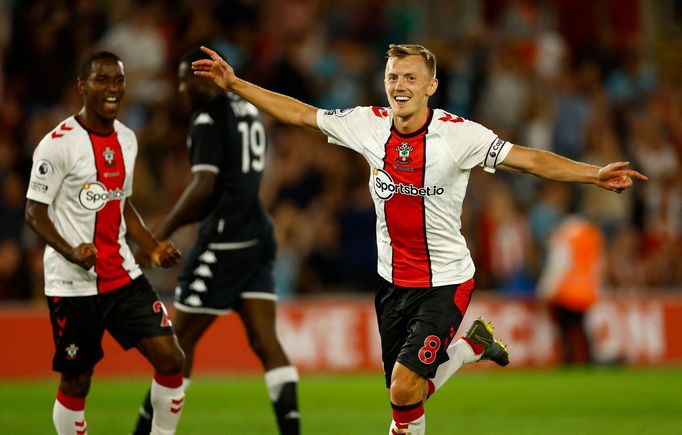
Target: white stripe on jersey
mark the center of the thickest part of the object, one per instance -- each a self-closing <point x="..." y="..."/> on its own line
<point x="205" y="167"/>
<point x="232" y="245"/>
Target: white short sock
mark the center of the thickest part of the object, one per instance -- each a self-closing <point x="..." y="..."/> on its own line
<point x="68" y="421"/>
<point x="460" y="353"/>
<point x="415" y="427"/>
<point x="276" y="378"/>
<point x="167" y="404"/>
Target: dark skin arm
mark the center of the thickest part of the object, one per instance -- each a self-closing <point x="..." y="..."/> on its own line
<point x="84" y="255"/>
<point x="163" y="254"/>
<point x="190" y="204"/>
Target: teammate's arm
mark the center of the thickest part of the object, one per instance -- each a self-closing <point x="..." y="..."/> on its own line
<point x="614" y="176"/>
<point x="84" y="255"/>
<point x="281" y="107"/>
<point x="163" y="254"/>
<point x="189" y="206"/>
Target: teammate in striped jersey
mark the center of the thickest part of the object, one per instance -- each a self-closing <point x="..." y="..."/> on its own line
<point x="78" y="202"/>
<point x="420" y="160"/>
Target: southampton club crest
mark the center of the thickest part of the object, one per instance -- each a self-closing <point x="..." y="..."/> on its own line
<point x="108" y="154"/>
<point x="71" y="351"/>
<point x="404" y="151"/>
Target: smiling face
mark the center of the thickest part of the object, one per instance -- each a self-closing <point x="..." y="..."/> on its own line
<point x="102" y="91"/>
<point x="409" y="84"/>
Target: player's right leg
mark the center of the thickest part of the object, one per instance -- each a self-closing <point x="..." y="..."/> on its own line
<point x="407" y="392"/>
<point x="77" y="336"/>
<point x="68" y="412"/>
<point x="281" y="378"/>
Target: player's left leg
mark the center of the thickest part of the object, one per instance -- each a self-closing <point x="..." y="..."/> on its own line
<point x="258" y="316"/>
<point x="167" y="395"/>
<point x="189" y="328"/>
<point x="139" y="319"/>
<point x="478" y="344"/>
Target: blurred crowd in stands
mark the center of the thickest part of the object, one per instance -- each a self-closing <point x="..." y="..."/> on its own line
<point x="581" y="78"/>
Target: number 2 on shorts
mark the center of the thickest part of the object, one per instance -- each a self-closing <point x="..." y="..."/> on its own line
<point x="159" y="307"/>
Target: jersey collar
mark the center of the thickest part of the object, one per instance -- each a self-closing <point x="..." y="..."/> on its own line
<point x="419" y="131"/>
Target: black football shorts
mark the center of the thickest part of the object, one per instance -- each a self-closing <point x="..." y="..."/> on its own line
<point x="417" y="325"/>
<point x="218" y="274"/>
<point x="130" y="314"/>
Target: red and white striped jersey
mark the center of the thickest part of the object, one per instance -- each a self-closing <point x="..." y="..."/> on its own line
<point x="418" y="182"/>
<point x="84" y="178"/>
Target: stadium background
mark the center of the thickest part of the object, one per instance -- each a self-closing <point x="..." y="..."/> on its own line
<point x="597" y="81"/>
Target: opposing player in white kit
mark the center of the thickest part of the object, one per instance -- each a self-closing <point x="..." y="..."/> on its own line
<point x="78" y="203"/>
<point x="420" y="160"/>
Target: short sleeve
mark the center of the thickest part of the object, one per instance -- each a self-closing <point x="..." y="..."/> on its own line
<point x="205" y="148"/>
<point x="50" y="166"/>
<point x="481" y="147"/>
<point x="346" y="127"/>
<point x="128" y="183"/>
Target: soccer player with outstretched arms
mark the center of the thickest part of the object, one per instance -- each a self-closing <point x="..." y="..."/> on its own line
<point x="419" y="164"/>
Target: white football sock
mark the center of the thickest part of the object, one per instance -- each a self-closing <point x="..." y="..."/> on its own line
<point x="276" y="378"/>
<point x="167" y="404"/>
<point x="460" y="353"/>
<point x="414" y="427"/>
<point x="66" y="420"/>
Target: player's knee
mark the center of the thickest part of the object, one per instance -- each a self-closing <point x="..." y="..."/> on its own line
<point x="170" y="362"/>
<point x="76" y="384"/>
<point x="405" y="393"/>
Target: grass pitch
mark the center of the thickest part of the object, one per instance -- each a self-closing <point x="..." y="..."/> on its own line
<point x="581" y="401"/>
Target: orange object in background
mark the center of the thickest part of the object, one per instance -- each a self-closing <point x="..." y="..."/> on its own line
<point x="573" y="276"/>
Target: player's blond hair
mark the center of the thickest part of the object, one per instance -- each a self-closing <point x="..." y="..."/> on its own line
<point x="404" y="50"/>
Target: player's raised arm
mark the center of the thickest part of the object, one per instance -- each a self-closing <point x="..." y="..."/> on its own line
<point x="283" y="108"/>
<point x="614" y="176"/>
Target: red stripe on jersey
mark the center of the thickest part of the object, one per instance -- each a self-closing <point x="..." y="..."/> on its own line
<point x="111" y="173"/>
<point x="405" y="216"/>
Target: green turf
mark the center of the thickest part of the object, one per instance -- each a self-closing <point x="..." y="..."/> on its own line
<point x="588" y="401"/>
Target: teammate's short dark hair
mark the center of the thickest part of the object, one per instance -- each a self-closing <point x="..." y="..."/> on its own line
<point x="86" y="63"/>
<point x="196" y="54"/>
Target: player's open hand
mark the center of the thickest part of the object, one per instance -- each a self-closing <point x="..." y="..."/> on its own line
<point x="616" y="177"/>
<point x="165" y="255"/>
<point x="215" y="69"/>
<point x="84" y="255"/>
